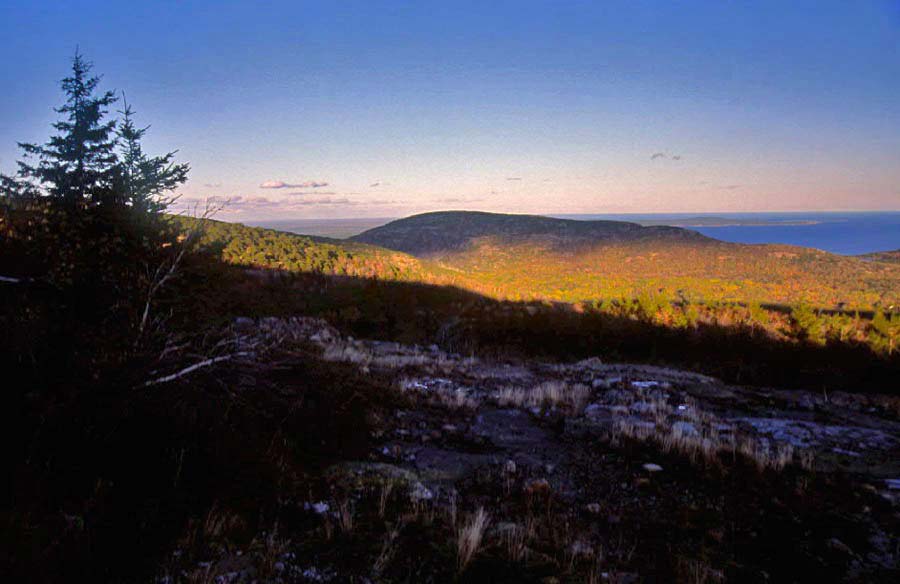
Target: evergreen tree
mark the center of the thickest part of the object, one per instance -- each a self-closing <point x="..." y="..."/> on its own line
<point x="145" y="179"/>
<point x="12" y="187"/>
<point x="80" y="161"/>
<point x="807" y="323"/>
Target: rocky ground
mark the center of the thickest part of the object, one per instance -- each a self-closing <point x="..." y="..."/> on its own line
<point x="587" y="471"/>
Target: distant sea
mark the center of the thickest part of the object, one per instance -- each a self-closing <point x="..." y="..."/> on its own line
<point x="334" y="228"/>
<point x="842" y="233"/>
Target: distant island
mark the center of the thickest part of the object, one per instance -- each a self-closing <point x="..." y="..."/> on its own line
<point x="892" y="256"/>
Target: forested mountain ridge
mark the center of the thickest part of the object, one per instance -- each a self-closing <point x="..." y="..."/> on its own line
<point x="531" y="257"/>
<point x="267" y="248"/>
<point x="448" y="231"/>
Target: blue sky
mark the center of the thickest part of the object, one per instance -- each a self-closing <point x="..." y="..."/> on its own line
<point x="548" y="107"/>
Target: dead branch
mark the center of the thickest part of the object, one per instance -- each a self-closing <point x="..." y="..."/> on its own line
<point x="168" y="269"/>
<point x="194" y="367"/>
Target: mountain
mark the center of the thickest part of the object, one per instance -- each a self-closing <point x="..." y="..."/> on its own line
<point x="431" y="234"/>
<point x="531" y="257"/>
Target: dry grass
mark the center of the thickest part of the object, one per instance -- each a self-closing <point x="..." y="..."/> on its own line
<point x="548" y="394"/>
<point x="697" y="434"/>
<point x="454" y="399"/>
<point x="388" y="550"/>
<point x="470" y="536"/>
<point x="446" y="395"/>
<point x="697" y="572"/>
<point x="345" y="516"/>
<point x="384" y="495"/>
<point x="271" y="548"/>
<point x="515" y="539"/>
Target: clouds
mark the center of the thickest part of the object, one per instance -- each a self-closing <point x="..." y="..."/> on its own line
<point x="278" y="184"/>
<point x="514" y="178"/>
<point x="455" y="200"/>
<point x="664" y="156"/>
<point x="258" y="206"/>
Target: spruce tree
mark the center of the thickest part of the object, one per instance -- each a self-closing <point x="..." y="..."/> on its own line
<point x="79" y="162"/>
<point x="145" y="179"/>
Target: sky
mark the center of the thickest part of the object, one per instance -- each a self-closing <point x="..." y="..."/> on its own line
<point x="382" y="109"/>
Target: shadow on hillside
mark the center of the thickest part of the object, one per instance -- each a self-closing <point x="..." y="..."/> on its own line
<point x="465" y="322"/>
<point x="106" y="476"/>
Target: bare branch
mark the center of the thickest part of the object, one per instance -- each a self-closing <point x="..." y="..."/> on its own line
<point x="168" y="269"/>
<point x="194" y="367"/>
<point x="9" y="280"/>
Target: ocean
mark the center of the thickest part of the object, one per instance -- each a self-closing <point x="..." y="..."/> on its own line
<point x="838" y="232"/>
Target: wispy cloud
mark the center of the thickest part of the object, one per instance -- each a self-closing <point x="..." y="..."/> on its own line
<point x="278" y="184"/>
<point x="514" y="178"/>
<point x="455" y="200"/>
<point x="212" y="185"/>
<point x="260" y="204"/>
<point x="730" y="187"/>
<point x="663" y="155"/>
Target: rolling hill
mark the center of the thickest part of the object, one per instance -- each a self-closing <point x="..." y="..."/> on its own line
<point x="451" y="231"/>
<point x="267" y="248"/>
<point x="531" y="257"/>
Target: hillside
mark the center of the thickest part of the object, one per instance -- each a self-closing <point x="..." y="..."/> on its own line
<point x="891" y="257"/>
<point x="268" y="248"/>
<point x="441" y="232"/>
<point x="528" y="257"/>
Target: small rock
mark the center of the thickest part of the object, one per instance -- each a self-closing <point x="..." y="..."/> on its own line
<point x="420" y="492"/>
<point x="684" y="429"/>
<point x="581" y="549"/>
<point x="593" y="410"/>
<point x="644" y="384"/>
<point x="839" y="546"/>
<point x="320" y="507"/>
<point x="242" y="322"/>
<point x="537" y="487"/>
<point x="651" y="467"/>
